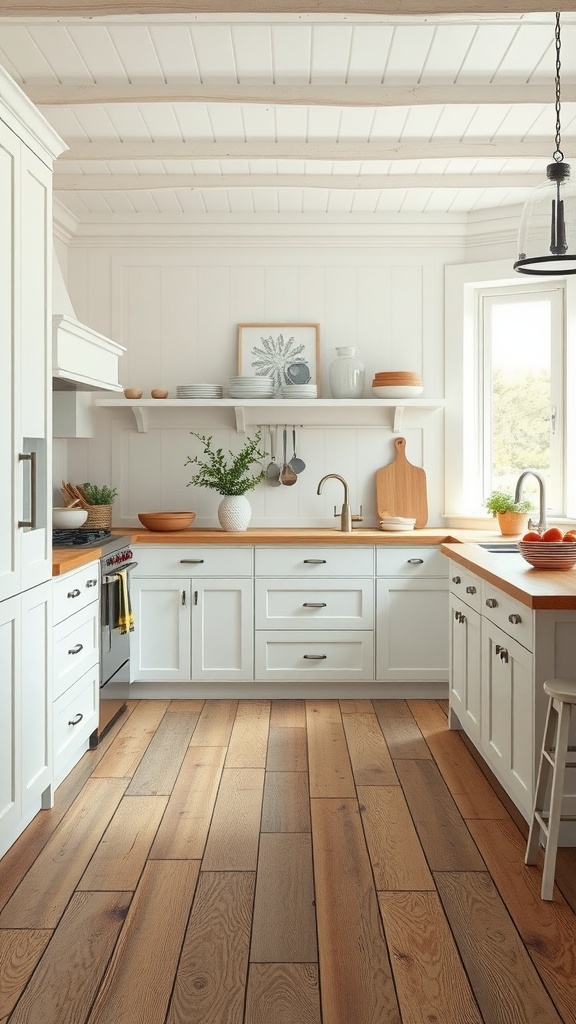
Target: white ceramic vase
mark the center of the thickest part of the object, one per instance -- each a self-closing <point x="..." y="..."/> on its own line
<point x="234" y="512"/>
<point x="346" y="374"/>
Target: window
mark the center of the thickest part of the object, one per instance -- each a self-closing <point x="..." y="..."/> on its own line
<point x="520" y="334"/>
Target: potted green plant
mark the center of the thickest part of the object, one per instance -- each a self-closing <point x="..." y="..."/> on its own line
<point x="512" y="515"/>
<point x="98" y="501"/>
<point x="230" y="475"/>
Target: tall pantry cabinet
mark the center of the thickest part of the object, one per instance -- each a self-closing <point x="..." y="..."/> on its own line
<point x="28" y="147"/>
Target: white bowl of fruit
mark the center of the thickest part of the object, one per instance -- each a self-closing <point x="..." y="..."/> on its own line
<point x="552" y="549"/>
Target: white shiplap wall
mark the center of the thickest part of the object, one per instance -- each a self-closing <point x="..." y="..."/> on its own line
<point x="176" y="309"/>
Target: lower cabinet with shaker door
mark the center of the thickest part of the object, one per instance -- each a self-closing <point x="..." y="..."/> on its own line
<point x="465" y="666"/>
<point x="191" y="630"/>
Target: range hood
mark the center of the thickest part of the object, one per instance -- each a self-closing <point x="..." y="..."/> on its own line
<point x="82" y="359"/>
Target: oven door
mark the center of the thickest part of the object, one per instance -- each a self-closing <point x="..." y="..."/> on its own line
<point x="114" y="645"/>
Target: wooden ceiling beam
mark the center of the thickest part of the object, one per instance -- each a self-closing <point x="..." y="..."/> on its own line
<point x="438" y="149"/>
<point x="299" y="95"/>
<point x="420" y="8"/>
<point x="150" y="182"/>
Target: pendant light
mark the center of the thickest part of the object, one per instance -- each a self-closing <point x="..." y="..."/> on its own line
<point x="550" y="210"/>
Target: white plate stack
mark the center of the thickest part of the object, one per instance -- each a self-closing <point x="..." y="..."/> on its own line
<point x="397" y="523"/>
<point x="299" y="391"/>
<point x="251" y="387"/>
<point x="199" y="391"/>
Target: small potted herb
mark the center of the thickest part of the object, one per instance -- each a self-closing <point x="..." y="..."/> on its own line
<point x="98" y="500"/>
<point x="512" y="515"/>
<point x="231" y="476"/>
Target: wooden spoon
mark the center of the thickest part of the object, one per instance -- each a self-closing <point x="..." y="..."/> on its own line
<point x="287" y="476"/>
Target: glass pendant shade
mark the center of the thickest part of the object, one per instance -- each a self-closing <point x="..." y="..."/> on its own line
<point x="547" y="234"/>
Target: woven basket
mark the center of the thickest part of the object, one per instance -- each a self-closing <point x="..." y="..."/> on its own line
<point x="99" y="517"/>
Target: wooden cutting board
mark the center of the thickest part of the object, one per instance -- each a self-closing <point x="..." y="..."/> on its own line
<point x="401" y="488"/>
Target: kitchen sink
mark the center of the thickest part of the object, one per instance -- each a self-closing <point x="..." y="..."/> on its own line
<point x="501" y="549"/>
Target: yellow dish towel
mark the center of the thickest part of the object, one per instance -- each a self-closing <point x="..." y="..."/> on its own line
<point x="125" y="614"/>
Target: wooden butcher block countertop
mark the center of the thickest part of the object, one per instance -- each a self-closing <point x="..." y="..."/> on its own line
<point x="537" y="588"/>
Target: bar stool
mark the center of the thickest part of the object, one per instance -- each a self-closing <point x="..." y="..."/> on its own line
<point x="554" y="756"/>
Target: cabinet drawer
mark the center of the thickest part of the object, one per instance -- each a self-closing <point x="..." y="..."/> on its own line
<point x="292" y="655"/>
<point x="75" y="590"/>
<point x="410" y="561"/>
<point x="76" y="647"/>
<point x="465" y="586"/>
<point x="314" y="562"/>
<point x="193" y="561"/>
<point x="516" y="619"/>
<point x="75" y="716"/>
<point x="293" y="604"/>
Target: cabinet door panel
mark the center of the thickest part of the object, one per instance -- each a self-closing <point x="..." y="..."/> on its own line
<point x="465" y="666"/>
<point x="411" y="634"/>
<point x="160" y="643"/>
<point x="8" y="405"/>
<point x="36" y="754"/>
<point x="222" y="630"/>
<point x="9" y="711"/>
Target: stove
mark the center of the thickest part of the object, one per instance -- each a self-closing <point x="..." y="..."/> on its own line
<point x="80" y="538"/>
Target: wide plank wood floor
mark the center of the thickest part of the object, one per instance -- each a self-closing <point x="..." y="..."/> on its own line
<point x="282" y="862"/>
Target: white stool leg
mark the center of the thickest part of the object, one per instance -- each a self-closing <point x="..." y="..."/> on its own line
<point x="556" y="794"/>
<point x="541" y="785"/>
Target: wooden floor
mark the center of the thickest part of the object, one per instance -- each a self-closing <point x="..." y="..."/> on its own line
<point x="284" y="862"/>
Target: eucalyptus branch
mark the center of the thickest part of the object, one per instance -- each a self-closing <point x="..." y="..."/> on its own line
<point x="227" y="475"/>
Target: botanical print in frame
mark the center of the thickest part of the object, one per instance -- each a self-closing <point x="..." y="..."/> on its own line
<point x="289" y="353"/>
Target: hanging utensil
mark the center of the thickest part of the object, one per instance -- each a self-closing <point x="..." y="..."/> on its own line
<point x="295" y="463"/>
<point x="273" y="470"/>
<point x="287" y="476"/>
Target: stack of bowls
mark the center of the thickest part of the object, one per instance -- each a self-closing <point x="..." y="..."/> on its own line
<point x="543" y="554"/>
<point x="299" y="391"/>
<point x="397" y="384"/>
<point x="251" y="387"/>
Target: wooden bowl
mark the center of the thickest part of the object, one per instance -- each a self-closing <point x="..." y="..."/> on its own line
<point x="132" y="392"/>
<point x="159" y="393"/>
<point x="165" y="521"/>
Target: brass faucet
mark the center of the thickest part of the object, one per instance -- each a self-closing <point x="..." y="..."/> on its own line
<point x="541" y="526"/>
<point x="346" y="517"/>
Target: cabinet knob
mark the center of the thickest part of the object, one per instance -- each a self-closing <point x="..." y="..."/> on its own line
<point x="73" y="593"/>
<point x="470" y="590"/>
<point x="515" y="619"/>
<point x="491" y="602"/>
<point x="76" y="649"/>
<point x="77" y="719"/>
<point x="315" y="657"/>
<point x="91" y="583"/>
<point x="456" y="579"/>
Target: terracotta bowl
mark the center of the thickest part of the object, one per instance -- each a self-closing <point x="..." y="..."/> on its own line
<point x="132" y="392"/>
<point x="543" y="554"/>
<point x="159" y="393"/>
<point x="165" y="521"/>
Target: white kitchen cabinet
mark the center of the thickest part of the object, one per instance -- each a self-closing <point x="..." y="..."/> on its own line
<point x="191" y="630"/>
<point x="76" y="665"/>
<point x="307" y="656"/>
<point x="507" y="733"/>
<point x="307" y="604"/>
<point x="25" y="710"/>
<point x="465" y="666"/>
<point x="411" y="614"/>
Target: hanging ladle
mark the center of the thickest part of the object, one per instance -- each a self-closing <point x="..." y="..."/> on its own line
<point x="295" y="463"/>
<point x="287" y="476"/>
<point x="273" y="470"/>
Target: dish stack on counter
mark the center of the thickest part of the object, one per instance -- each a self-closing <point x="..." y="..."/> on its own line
<point x="199" y="391"/>
<point x="251" y="387"/>
<point x="397" y="384"/>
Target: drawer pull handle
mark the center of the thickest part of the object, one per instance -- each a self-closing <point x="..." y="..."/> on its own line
<point x="191" y="561"/>
<point x="470" y="590"/>
<point x="498" y="648"/>
<point x="456" y="579"/>
<point x="314" y="604"/>
<point x="504" y="655"/>
<point x="491" y="602"/>
<point x="91" y="583"/>
<point x="515" y="619"/>
<point x="314" y="561"/>
<point x="77" y="720"/>
<point x="73" y="593"/>
<point x="415" y="561"/>
<point x="184" y="597"/>
<point x="315" y="657"/>
<point x="76" y="649"/>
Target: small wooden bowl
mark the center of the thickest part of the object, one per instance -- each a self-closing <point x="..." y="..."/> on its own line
<point x="166" y="521"/>
<point x="159" y="393"/>
<point x="132" y="392"/>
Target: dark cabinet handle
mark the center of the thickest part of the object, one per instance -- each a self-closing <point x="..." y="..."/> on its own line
<point x="91" y="583"/>
<point x="491" y="602"/>
<point x="315" y="657"/>
<point x="30" y="458"/>
<point x="73" y="593"/>
<point x="470" y="590"/>
<point x="415" y="561"/>
<point x="314" y="561"/>
<point x="314" y="604"/>
<point x="76" y="649"/>
<point x="456" y="579"/>
<point x="504" y="655"/>
<point x="191" y="561"/>
<point x="515" y="619"/>
<point x="77" y="720"/>
<point x="183" y="597"/>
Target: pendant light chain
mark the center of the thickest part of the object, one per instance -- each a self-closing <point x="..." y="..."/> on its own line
<point x="558" y="155"/>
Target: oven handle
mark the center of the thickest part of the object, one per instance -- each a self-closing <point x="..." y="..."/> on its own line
<point x="122" y="568"/>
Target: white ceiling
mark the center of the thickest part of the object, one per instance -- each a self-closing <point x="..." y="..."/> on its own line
<point x="246" y="114"/>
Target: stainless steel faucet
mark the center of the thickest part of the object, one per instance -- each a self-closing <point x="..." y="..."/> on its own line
<point x="345" y="515"/>
<point x="542" y="525"/>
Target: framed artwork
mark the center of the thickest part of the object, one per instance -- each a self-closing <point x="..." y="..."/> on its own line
<point x="289" y="353"/>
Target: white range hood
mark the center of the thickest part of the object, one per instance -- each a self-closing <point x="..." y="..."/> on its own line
<point x="82" y="359"/>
